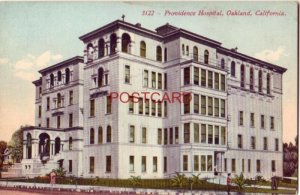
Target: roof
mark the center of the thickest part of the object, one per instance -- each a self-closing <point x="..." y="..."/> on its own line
<point x="75" y="59"/>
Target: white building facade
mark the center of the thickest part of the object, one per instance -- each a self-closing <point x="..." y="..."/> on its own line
<point x="152" y="103"/>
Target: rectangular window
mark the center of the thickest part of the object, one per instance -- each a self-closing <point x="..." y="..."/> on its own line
<point x="196" y="133"/>
<point x="92" y="107"/>
<point x="217" y="138"/>
<point x="159" y="136"/>
<point x="131" y="105"/>
<point x="70" y="97"/>
<point x="216" y="106"/>
<point x="153" y="108"/>
<point x="106" y="79"/>
<point x="265" y="143"/>
<point x="186" y="103"/>
<point x="203" y="104"/>
<point x="144" y="135"/>
<point x="210" y="79"/>
<point x="48" y="103"/>
<point x="225" y="164"/>
<point x="186" y="76"/>
<point x="249" y="165"/>
<point x="159" y="109"/>
<point x="58" y="122"/>
<point x="272" y="123"/>
<point x="210" y="134"/>
<point x="131" y="163"/>
<point x="241" y="118"/>
<point x="171" y="136"/>
<point x="159" y="78"/>
<point x="186" y="133"/>
<point x="253" y="143"/>
<point x="108" y="164"/>
<point x="258" y="166"/>
<point x="203" y="78"/>
<point x="223" y="135"/>
<point x="222" y="82"/>
<point x="217" y="80"/>
<point x="127" y="74"/>
<point x="48" y="122"/>
<point x="131" y="134"/>
<point x="252" y="120"/>
<point x="165" y="164"/>
<point x="203" y="163"/>
<point x="144" y="164"/>
<point x="40" y="111"/>
<point x="155" y="164"/>
<point x="196" y="163"/>
<point x="153" y="79"/>
<point x="92" y="164"/>
<point x="165" y="136"/>
<point x="196" y="76"/>
<point x="141" y="106"/>
<point x="108" y="104"/>
<point x="185" y="163"/>
<point x="222" y="108"/>
<point x="243" y="165"/>
<point x="262" y="121"/>
<point x="209" y="163"/>
<point x="166" y="81"/>
<point x="203" y="133"/>
<point x="165" y="108"/>
<point x="71" y="120"/>
<point x="70" y="166"/>
<point x="273" y="166"/>
<point x="196" y="103"/>
<point x="147" y="106"/>
<point x="176" y="135"/>
<point x="210" y="106"/>
<point x="240" y="141"/>
<point x="146" y="78"/>
<point x="233" y="165"/>
<point x="276" y="144"/>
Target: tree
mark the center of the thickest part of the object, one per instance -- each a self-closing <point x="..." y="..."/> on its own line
<point x="195" y="180"/>
<point x="240" y="181"/>
<point x="290" y="158"/>
<point x="179" y="180"/>
<point x="16" y="144"/>
<point x="3" y="146"/>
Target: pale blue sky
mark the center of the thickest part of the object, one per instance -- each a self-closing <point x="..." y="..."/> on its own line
<point x="34" y="35"/>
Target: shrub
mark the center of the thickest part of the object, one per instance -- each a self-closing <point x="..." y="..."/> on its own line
<point x="240" y="181"/>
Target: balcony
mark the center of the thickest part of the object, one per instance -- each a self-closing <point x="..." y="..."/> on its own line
<point x="99" y="91"/>
<point x="58" y="111"/>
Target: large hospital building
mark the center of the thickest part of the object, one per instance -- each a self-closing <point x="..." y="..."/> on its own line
<point x="229" y="119"/>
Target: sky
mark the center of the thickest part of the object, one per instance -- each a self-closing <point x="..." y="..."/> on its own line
<point x="34" y="35"/>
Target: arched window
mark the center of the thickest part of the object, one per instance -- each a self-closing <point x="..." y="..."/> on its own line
<point x="92" y="136"/>
<point x="58" y="100"/>
<point x="206" y="57"/>
<point x="90" y="51"/>
<point x="59" y="76"/>
<point x="70" y="143"/>
<point x="29" y="145"/>
<point x="108" y="134"/>
<point x="260" y="81"/>
<point x="187" y="50"/>
<point x="143" y="49"/>
<point x="242" y="75"/>
<point x="67" y="75"/>
<point x="251" y="78"/>
<point x="158" y="53"/>
<point x="183" y="49"/>
<point x="223" y="63"/>
<point x="268" y="83"/>
<point x="195" y="53"/>
<point x="113" y="43"/>
<point x="125" y="43"/>
<point x="51" y="80"/>
<point x="100" y="77"/>
<point x="232" y="68"/>
<point x="166" y="55"/>
<point x="100" y="135"/>
<point x="100" y="48"/>
<point x="57" y="145"/>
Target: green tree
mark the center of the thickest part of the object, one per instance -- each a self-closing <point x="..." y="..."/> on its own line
<point x="195" y="180"/>
<point x="16" y="144"/>
<point x="3" y="146"/>
<point x="240" y="181"/>
<point x="179" y="180"/>
<point x="290" y="158"/>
